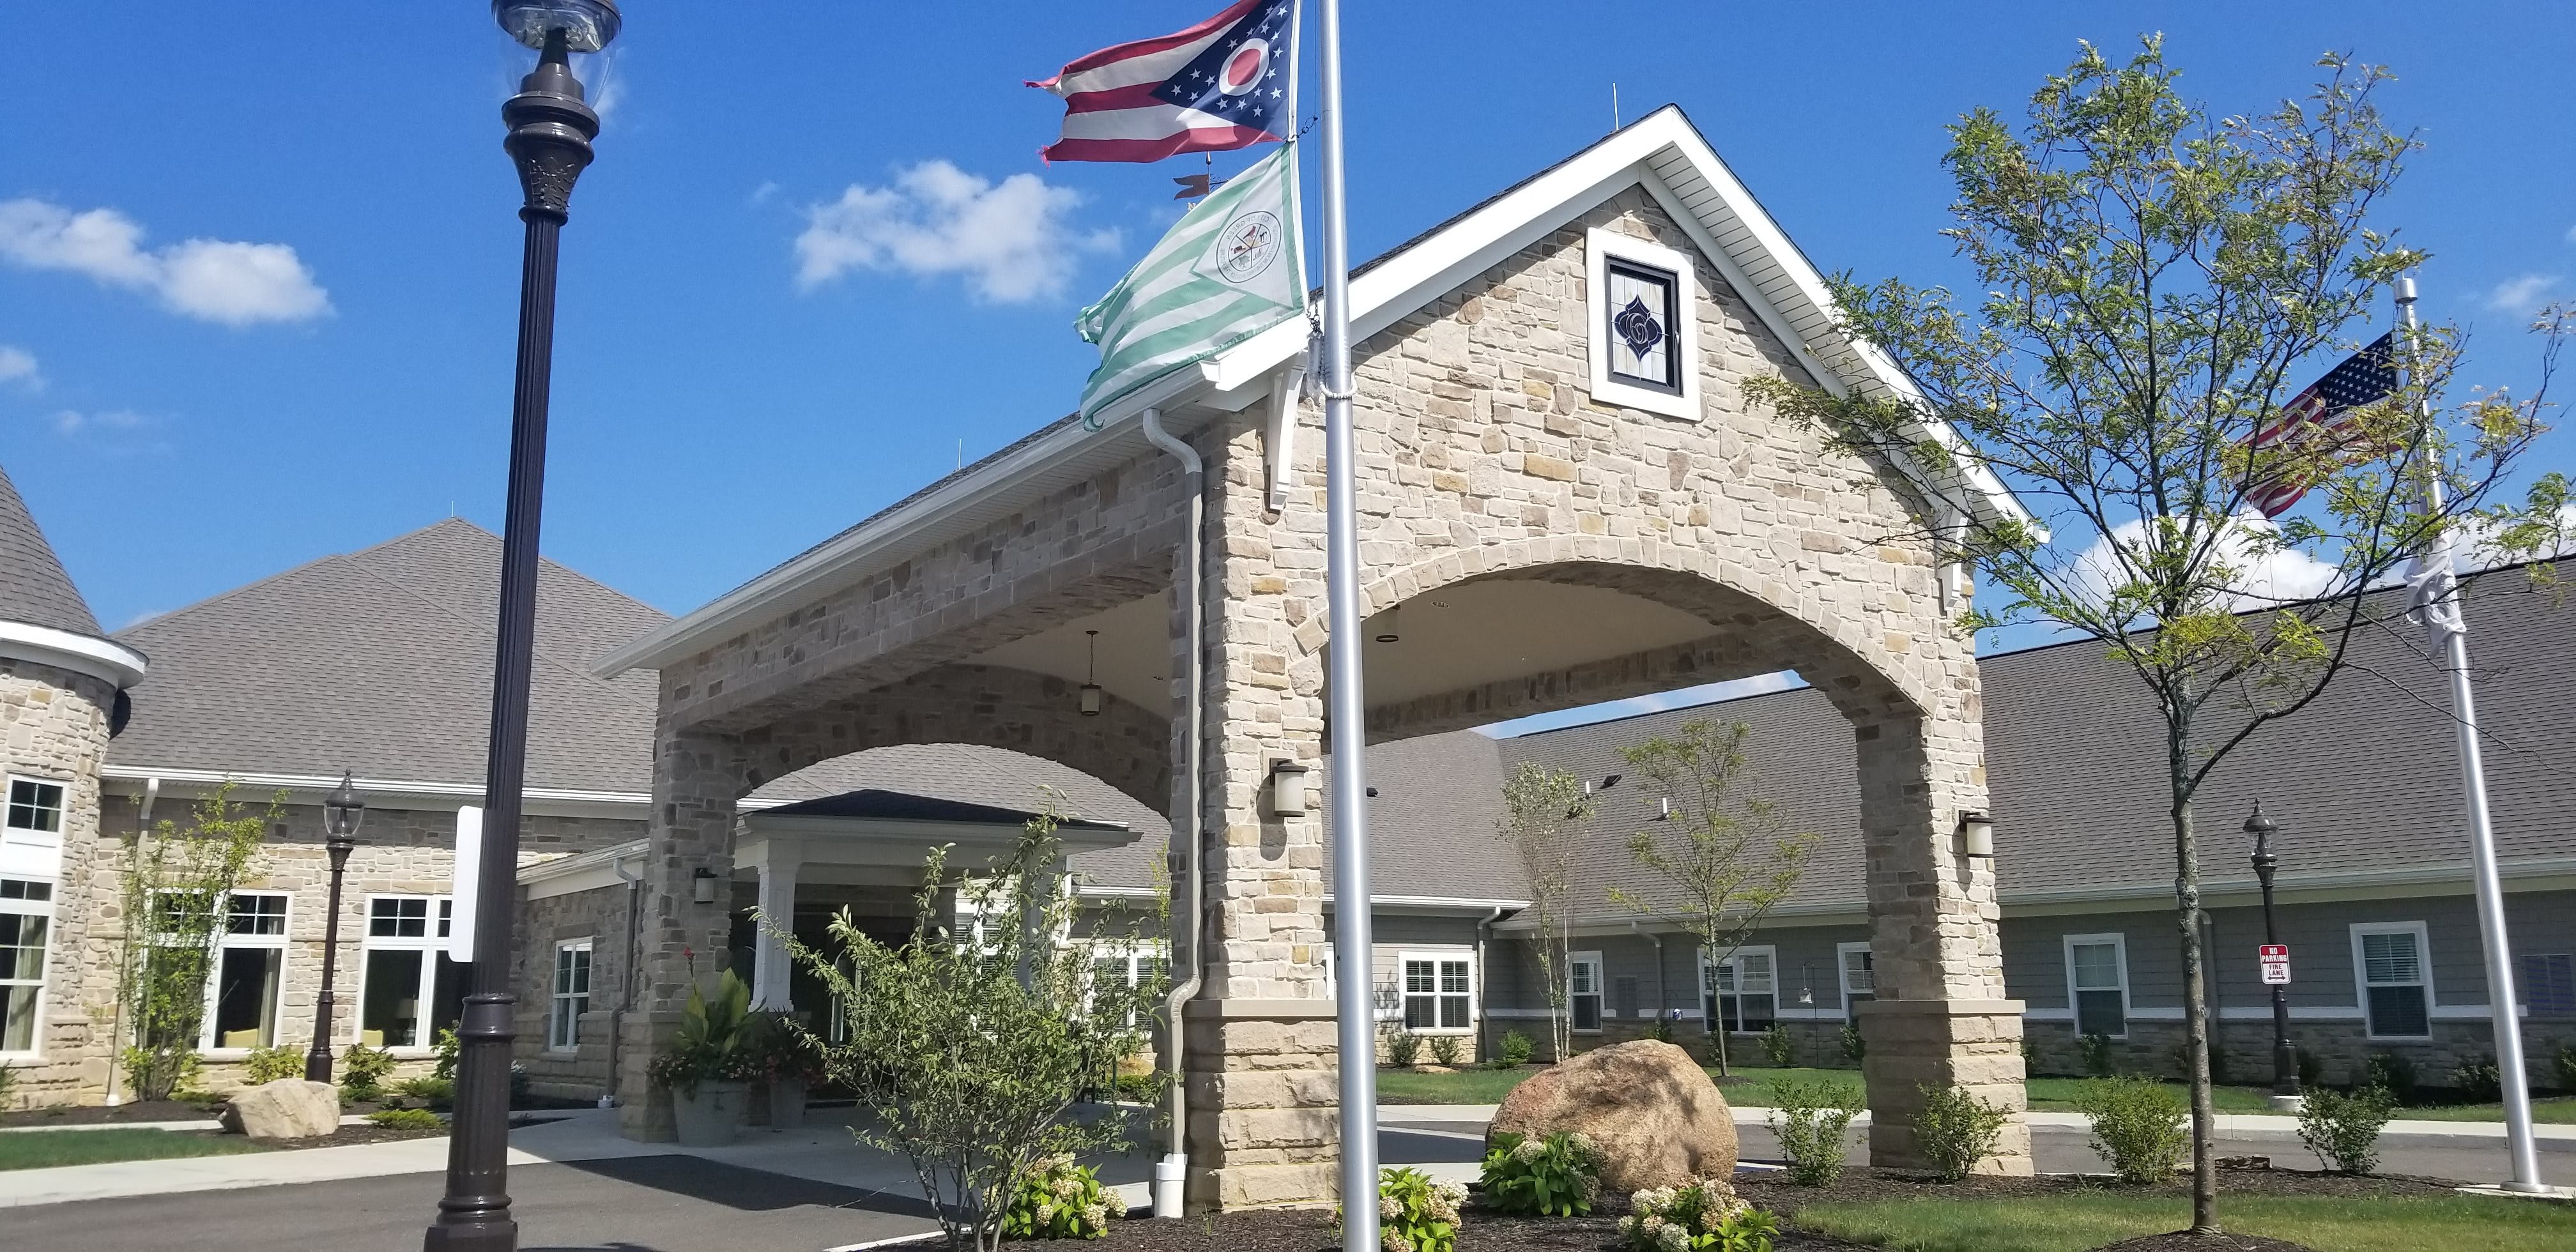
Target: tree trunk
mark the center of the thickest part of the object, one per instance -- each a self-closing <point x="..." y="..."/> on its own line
<point x="1717" y="1023"/>
<point x="2195" y="992"/>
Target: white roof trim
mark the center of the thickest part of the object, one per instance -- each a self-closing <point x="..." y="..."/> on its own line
<point x="1663" y="151"/>
<point x="103" y="659"/>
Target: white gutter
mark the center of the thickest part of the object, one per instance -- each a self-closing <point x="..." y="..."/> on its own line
<point x="103" y="659"/>
<point x="1172" y="1171"/>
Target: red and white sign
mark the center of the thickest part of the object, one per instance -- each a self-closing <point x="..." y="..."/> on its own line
<point x="2276" y="962"/>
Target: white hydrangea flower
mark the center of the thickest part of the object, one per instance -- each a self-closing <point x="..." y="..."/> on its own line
<point x="1529" y="1150"/>
<point x="1389" y="1207"/>
<point x="1046" y="1212"/>
<point x="1394" y="1241"/>
<point x="1095" y="1215"/>
<point x="1673" y="1239"/>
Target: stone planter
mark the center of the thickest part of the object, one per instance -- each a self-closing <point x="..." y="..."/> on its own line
<point x="712" y="1116"/>
<point x="787" y="1105"/>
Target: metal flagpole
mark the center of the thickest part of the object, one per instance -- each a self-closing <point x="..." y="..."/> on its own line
<point x="2438" y="598"/>
<point x="1346" y="713"/>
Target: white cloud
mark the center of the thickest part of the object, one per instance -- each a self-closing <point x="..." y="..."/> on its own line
<point x="73" y="422"/>
<point x="235" y="284"/>
<point x="17" y="365"/>
<point x="2264" y="579"/>
<point x="2522" y="296"/>
<point x="1009" y="240"/>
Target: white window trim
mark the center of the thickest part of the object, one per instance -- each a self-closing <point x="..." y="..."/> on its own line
<point x="1842" y="973"/>
<point x="1475" y="989"/>
<point x="429" y="942"/>
<point x="44" y="984"/>
<point x="225" y="939"/>
<point x="1133" y="952"/>
<point x="1708" y="984"/>
<point x="1598" y="992"/>
<point x="33" y="854"/>
<point x="1600" y="246"/>
<point x="2119" y="942"/>
<point x="2361" y="976"/>
<point x="555" y="995"/>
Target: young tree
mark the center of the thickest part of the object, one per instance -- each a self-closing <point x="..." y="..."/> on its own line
<point x="1723" y="853"/>
<point x="1545" y="812"/>
<point x="2159" y="283"/>
<point x="970" y="1048"/>
<point x="176" y="881"/>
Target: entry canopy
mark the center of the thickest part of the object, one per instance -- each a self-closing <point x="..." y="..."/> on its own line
<point x="896" y="830"/>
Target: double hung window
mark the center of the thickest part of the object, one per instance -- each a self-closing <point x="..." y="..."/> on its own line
<point x="2097" y="984"/>
<point x="26" y="924"/>
<point x="570" y="997"/>
<point x="250" y="971"/>
<point x="1740" y="993"/>
<point x="1439" y="992"/>
<point x="409" y="990"/>
<point x="1860" y="978"/>
<point x="31" y="828"/>
<point x="2396" y="986"/>
<point x="1583" y="991"/>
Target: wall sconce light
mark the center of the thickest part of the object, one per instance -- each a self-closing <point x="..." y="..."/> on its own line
<point x="1091" y="678"/>
<point x="702" y="886"/>
<point x="1389" y="627"/>
<point x="1665" y="813"/>
<point x="1288" y="788"/>
<point x="1977" y="834"/>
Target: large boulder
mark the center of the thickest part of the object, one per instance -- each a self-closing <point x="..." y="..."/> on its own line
<point x="1649" y="1108"/>
<point x="290" y="1108"/>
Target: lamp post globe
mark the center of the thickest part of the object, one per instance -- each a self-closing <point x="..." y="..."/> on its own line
<point x="550" y="128"/>
<point x="2285" y="1058"/>
<point x="342" y="812"/>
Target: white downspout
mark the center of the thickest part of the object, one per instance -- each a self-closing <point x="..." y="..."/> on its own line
<point x="1663" y="998"/>
<point x="626" y="980"/>
<point x="1484" y="972"/>
<point x="1172" y="1172"/>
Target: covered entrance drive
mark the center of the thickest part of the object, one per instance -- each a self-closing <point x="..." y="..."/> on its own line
<point x="1565" y="498"/>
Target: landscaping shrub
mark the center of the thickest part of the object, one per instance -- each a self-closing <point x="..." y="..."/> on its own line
<point x="1058" y="1199"/>
<point x="1415" y="1214"/>
<point x="1444" y="1049"/>
<point x="1704" y="1216"/>
<point x="433" y="1092"/>
<point x="2138" y="1125"/>
<point x="1856" y="1048"/>
<point x="713" y="1044"/>
<point x="2478" y="1082"/>
<point x="363" y="1070"/>
<point x="1659" y="1030"/>
<point x="2343" y="1130"/>
<point x="2095" y="1049"/>
<point x="1403" y="1048"/>
<point x="407" y="1119"/>
<point x="1956" y="1130"/>
<point x="2391" y="1073"/>
<point x="1778" y="1046"/>
<point x="2567" y="1068"/>
<point x="2312" y="1068"/>
<point x="1810" y="1118"/>
<point x="447" y="1047"/>
<point x="1558" y="1176"/>
<point x="267" y="1065"/>
<point x="1516" y="1049"/>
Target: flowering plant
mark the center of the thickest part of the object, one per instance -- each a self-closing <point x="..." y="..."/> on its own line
<point x="1558" y="1176"/>
<point x="1058" y="1199"/>
<point x="1416" y="1214"/>
<point x="1704" y="1216"/>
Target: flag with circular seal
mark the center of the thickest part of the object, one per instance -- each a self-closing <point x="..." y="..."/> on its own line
<point x="1229" y="270"/>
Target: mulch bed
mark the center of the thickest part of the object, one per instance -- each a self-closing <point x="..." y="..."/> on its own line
<point x="2187" y="1242"/>
<point x="1313" y="1230"/>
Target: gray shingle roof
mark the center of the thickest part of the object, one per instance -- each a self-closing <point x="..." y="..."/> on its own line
<point x="995" y="778"/>
<point x="381" y="661"/>
<point x="33" y="587"/>
<point x="1431" y="823"/>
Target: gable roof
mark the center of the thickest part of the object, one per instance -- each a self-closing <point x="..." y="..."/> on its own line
<point x="898" y="806"/>
<point x="1662" y="152"/>
<point x="33" y="587"/>
<point x="380" y="661"/>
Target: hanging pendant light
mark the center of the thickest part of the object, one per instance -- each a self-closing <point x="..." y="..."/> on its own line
<point x="1090" y="676"/>
<point x="1389" y="627"/>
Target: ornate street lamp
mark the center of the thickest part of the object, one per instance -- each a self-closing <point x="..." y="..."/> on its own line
<point x="342" y="811"/>
<point x="2285" y="1059"/>
<point x="550" y="133"/>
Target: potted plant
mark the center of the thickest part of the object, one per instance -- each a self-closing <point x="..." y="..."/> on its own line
<point x="787" y="1061"/>
<point x="705" y="1069"/>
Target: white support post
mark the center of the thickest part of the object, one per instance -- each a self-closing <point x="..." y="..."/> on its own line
<point x="770" y="965"/>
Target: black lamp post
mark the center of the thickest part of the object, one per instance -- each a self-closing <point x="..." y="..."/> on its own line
<point x="2285" y="1060"/>
<point x="550" y="133"/>
<point x="342" y="811"/>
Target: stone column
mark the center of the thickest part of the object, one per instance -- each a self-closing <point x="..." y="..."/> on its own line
<point x="1940" y="1018"/>
<point x="1260" y="1065"/>
<point x="696" y="779"/>
<point x="770" y="965"/>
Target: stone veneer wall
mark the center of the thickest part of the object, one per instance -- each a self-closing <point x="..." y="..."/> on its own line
<point x="601" y="916"/>
<point x="53" y="726"/>
<point x="400" y="851"/>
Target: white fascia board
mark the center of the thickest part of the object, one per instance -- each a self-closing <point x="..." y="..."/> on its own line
<point x="546" y="801"/>
<point x="588" y="871"/>
<point x="1435" y="904"/>
<point x="103" y="659"/>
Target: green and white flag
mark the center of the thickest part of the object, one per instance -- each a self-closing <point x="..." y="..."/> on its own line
<point x="1231" y="269"/>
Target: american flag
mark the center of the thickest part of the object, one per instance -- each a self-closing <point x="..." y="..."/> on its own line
<point x="1225" y="83"/>
<point x="2322" y="413"/>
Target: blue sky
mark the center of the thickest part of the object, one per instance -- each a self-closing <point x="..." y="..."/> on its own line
<point x="258" y="264"/>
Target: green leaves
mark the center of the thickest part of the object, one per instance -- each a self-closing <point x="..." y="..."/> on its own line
<point x="1558" y="1176"/>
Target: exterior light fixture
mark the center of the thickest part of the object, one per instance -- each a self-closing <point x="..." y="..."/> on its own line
<point x="587" y="25"/>
<point x="1288" y="788"/>
<point x="1977" y="834"/>
<point x="342" y="812"/>
<point x="1389" y="626"/>
<point x="702" y="886"/>
<point x="1665" y="812"/>
<point x="1091" y="678"/>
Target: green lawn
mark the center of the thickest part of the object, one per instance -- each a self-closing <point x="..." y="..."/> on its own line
<point x="41" y="1149"/>
<point x="2546" y="1110"/>
<point x="2073" y="1223"/>
<point x="1753" y="1088"/>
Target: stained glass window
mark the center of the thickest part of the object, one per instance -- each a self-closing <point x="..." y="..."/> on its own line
<point x="1638" y="315"/>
